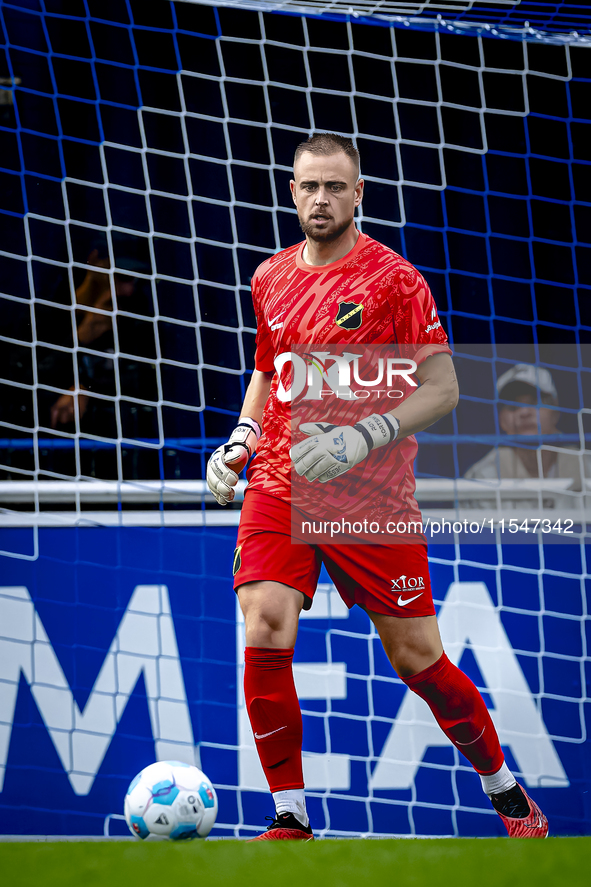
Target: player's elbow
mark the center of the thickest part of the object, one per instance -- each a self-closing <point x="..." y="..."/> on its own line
<point x="450" y="397"/>
<point x="454" y="396"/>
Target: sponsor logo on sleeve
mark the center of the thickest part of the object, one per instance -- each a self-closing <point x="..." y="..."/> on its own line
<point x="435" y="324"/>
<point x="275" y="323"/>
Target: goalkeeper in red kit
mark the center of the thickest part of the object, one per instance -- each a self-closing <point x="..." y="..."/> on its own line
<point x="341" y="288"/>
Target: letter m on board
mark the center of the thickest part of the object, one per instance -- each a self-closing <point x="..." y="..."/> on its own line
<point x="145" y="643"/>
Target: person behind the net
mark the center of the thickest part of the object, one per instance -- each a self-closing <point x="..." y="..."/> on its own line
<point x="296" y="295"/>
<point x="97" y="301"/>
<point x="529" y="406"/>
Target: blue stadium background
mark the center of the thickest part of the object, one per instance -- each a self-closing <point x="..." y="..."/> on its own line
<point x="505" y="246"/>
<point x="81" y="585"/>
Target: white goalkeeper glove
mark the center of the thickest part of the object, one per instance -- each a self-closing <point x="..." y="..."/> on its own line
<point x="335" y="449"/>
<point x="228" y="460"/>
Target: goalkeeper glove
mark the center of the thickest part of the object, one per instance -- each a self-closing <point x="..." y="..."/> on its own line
<point x="335" y="449"/>
<point x="229" y="459"/>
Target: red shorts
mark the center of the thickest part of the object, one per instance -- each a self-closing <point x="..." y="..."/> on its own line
<point x="388" y="579"/>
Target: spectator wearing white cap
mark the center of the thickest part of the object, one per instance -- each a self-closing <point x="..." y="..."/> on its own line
<point x="532" y="411"/>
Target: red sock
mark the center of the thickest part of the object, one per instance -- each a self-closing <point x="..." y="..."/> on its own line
<point x="275" y="716"/>
<point x="460" y="711"/>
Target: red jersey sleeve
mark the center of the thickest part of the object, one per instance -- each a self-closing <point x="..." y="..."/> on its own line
<point x="417" y="322"/>
<point x="263" y="358"/>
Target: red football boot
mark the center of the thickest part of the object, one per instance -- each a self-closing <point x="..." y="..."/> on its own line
<point x="511" y="805"/>
<point x="285" y="827"/>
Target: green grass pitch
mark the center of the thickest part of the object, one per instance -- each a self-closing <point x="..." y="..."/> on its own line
<point x="396" y="863"/>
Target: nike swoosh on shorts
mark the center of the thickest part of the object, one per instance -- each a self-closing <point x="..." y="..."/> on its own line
<point x="409" y="600"/>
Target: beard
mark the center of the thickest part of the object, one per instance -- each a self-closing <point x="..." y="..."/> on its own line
<point x="328" y="234"/>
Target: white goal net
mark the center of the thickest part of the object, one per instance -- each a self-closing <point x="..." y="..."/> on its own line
<point x="146" y="152"/>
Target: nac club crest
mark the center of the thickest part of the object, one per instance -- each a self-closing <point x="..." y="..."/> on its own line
<point x="349" y="315"/>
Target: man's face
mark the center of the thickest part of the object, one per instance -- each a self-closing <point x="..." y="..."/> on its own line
<point x="326" y="193"/>
<point x="528" y="417"/>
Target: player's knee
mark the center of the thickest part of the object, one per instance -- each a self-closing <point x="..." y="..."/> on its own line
<point x="270" y="630"/>
<point x="412" y="659"/>
<point x="411" y="644"/>
<point x="270" y="616"/>
<point x="265" y="622"/>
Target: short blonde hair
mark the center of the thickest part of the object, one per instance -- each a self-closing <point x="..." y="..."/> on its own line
<point x="328" y="143"/>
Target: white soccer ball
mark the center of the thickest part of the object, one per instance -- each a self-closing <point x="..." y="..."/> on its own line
<point x="171" y="799"/>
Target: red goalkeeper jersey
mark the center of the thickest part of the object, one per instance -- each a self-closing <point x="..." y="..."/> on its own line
<point x="368" y="300"/>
